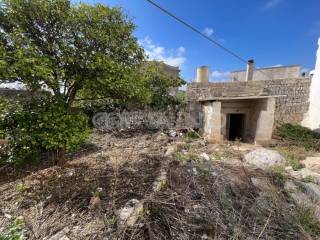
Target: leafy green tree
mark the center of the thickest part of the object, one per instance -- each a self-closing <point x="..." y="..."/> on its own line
<point x="69" y="49"/>
<point x="60" y="51"/>
<point x="161" y="85"/>
<point x="43" y="126"/>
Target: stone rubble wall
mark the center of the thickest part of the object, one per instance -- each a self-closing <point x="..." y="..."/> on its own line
<point x="292" y="95"/>
<point x="178" y="118"/>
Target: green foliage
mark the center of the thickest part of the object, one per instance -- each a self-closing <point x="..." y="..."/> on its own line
<point x="194" y="157"/>
<point x="308" y="222"/>
<point x="300" y="136"/>
<point x="181" y="97"/>
<point x="278" y="175"/>
<point x="71" y="50"/>
<point x="291" y="155"/>
<point x="184" y="146"/>
<point x="22" y="187"/>
<point x="309" y="179"/>
<point x="14" y="231"/>
<point x="160" y="85"/>
<point x="42" y="126"/>
<point x="181" y="157"/>
<point x="5" y="107"/>
<point x="192" y="135"/>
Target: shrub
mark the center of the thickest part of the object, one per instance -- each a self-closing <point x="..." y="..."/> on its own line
<point x="300" y="136"/>
<point x="14" y="231"/>
<point x="42" y="126"/>
<point x="308" y="222"/>
<point x="5" y="107"/>
<point x="293" y="155"/>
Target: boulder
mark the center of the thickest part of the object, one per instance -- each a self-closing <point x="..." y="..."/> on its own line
<point x="264" y="158"/>
<point x="313" y="190"/>
<point x="128" y="215"/>
<point x="303" y="174"/>
<point x="312" y="163"/>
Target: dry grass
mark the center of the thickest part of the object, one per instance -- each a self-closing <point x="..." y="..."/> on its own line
<point x="200" y="200"/>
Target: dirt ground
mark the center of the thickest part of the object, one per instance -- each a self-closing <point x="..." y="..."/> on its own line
<point x="201" y="198"/>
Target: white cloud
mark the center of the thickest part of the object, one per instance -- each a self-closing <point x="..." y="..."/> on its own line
<point x="208" y="31"/>
<point x="155" y="52"/>
<point x="220" y="76"/>
<point x="271" y="3"/>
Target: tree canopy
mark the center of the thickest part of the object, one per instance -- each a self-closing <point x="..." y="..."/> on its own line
<point x="67" y="49"/>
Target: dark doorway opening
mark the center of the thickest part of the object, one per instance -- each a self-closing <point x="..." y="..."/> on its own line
<point x="236" y="126"/>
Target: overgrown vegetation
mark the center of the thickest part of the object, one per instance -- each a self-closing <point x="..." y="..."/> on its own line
<point x="42" y="127"/>
<point x="14" y="231"/>
<point x="202" y="205"/>
<point x="65" y="52"/>
<point x="308" y="222"/>
<point x="293" y="155"/>
<point x="299" y="136"/>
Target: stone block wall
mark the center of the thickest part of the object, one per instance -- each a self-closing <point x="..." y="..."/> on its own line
<point x="292" y="95"/>
<point x="294" y="102"/>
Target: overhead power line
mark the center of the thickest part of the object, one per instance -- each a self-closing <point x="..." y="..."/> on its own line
<point x="197" y="31"/>
<point x="204" y="35"/>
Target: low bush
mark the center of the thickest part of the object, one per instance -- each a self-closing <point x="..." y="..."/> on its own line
<point x="42" y="127"/>
<point x="299" y="136"/>
<point x="309" y="223"/>
<point x="6" y="106"/>
<point x="14" y="231"/>
<point x="293" y="155"/>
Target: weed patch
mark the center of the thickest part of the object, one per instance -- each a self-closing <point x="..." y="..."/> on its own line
<point x="308" y="222"/>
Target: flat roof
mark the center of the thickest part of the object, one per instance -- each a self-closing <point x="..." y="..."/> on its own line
<point x="239" y="98"/>
<point x="263" y="68"/>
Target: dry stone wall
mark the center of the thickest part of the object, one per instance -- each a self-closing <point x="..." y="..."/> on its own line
<point x="178" y="117"/>
<point x="292" y="95"/>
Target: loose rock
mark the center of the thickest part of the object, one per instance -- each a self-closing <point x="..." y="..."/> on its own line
<point x="264" y="158"/>
<point x="205" y="157"/>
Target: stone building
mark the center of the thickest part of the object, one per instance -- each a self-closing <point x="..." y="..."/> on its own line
<point x="252" y="104"/>
<point x="277" y="72"/>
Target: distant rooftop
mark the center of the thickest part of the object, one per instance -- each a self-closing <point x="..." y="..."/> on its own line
<point x="272" y="67"/>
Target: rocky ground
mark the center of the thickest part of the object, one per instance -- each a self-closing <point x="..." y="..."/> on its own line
<point x="148" y="185"/>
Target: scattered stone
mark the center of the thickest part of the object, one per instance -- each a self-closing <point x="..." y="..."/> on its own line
<point x="312" y="190"/>
<point x="263" y="184"/>
<point x="8" y="215"/>
<point x="129" y="214"/>
<point x="205" y="156"/>
<point x="290" y="186"/>
<point x="289" y="168"/>
<point x="95" y="202"/>
<point x="170" y="150"/>
<point x="262" y="201"/>
<point x="244" y="147"/>
<point x="71" y="173"/>
<point x="264" y="158"/>
<point x="172" y="133"/>
<point x="305" y="173"/>
<point x="61" y="235"/>
<point x="195" y="171"/>
<point x="214" y="173"/>
<point x="301" y="198"/>
<point x="160" y="181"/>
<point x="312" y="163"/>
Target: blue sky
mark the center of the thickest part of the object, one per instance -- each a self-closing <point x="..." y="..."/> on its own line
<point x="273" y="32"/>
